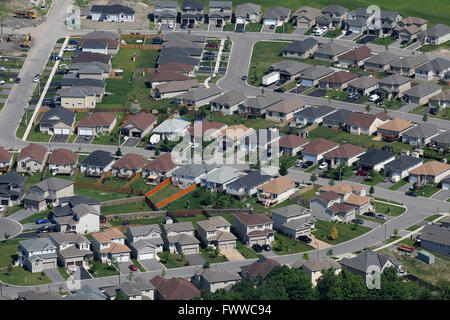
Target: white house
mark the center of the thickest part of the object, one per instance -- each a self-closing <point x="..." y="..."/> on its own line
<point x="112" y="13"/>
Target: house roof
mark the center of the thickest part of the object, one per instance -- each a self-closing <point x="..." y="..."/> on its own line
<point x="221" y="175"/>
<point x="290" y="211"/>
<point x="359" y="21"/>
<point x="291" y="104"/>
<point x="438" y="30"/>
<point x="215" y="276"/>
<point x="403" y="163"/>
<point x="236" y="132"/>
<point x="262" y="102"/>
<point x="316" y="72"/>
<point x="301" y="46"/>
<point x="94" y="44"/>
<point x="334" y="9"/>
<point x="319" y="146"/>
<point x="79" y="92"/>
<point x="167" y="76"/>
<point x="175" y="288"/>
<point x="410" y="62"/>
<point x="442" y="138"/>
<point x="111" y="35"/>
<point x="363" y="82"/>
<point x="205" y="127"/>
<point x="396" y="124"/>
<point x="53" y="184"/>
<point x="435" y="64"/>
<point x="98" y="119"/>
<point x="98" y="158"/>
<point x="345" y="151"/>
<point x="443" y="96"/>
<point x="230" y="98"/>
<point x="383" y="58"/>
<point x="394" y="79"/>
<point x="431" y="168"/>
<point x="144" y="230"/>
<point x="437" y="234"/>
<point x="178" y="226"/>
<point x="172" y="126"/>
<point x="163" y="162"/>
<point x="37" y="244"/>
<point x="175" y="67"/>
<point x="341" y="115"/>
<point x="166" y="4"/>
<point x="292" y="141"/>
<point x="422" y="90"/>
<point x="58" y="114"/>
<point x="192" y="4"/>
<point x="251" y="180"/>
<point x="368" y="258"/>
<point x="63" y="156"/>
<point x="328" y="196"/>
<point x="177" y="86"/>
<point x="130" y="161"/>
<point x="356" y="200"/>
<point x="315" y="112"/>
<point x="332" y="49"/>
<point x="308" y="12"/>
<point x="112" y="9"/>
<point x="61" y="237"/>
<point x="414" y="20"/>
<point x="107" y="235"/>
<point x="142" y="120"/>
<point x="317" y="265"/>
<point x="194" y="170"/>
<point x="278" y="185"/>
<point x="342" y="188"/>
<point x="91" y="57"/>
<point x="375" y="156"/>
<point x="339" y="77"/>
<point x="75" y="200"/>
<point x="38" y="295"/>
<point x="183" y="239"/>
<point x="213" y="223"/>
<point x="200" y="93"/>
<point x="260" y="267"/>
<point x="382" y="116"/>
<point x="341" y="208"/>
<point x="246" y="8"/>
<point x="35" y="151"/>
<point x="290" y="67"/>
<point x="276" y="12"/>
<point x="73" y="252"/>
<point x="411" y="29"/>
<point x="252" y="219"/>
<point x="361" y="119"/>
<point x="5" y="155"/>
<point x="357" y="54"/>
<point x="87" y="292"/>
<point x="423" y="130"/>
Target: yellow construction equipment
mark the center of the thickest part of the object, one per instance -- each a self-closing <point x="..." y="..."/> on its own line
<point x="26" y="43"/>
<point x="28" y="13"/>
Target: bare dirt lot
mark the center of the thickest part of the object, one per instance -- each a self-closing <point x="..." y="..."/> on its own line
<point x="9" y="7"/>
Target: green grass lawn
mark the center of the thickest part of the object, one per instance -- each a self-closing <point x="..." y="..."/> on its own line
<point x="115" y="182"/>
<point x="290" y="85"/>
<point x="387" y="200"/>
<point x="172" y="260"/>
<point x="333" y="33"/>
<point x="388" y="209"/>
<point x="164" y="193"/>
<point x="140" y="221"/>
<point x="431" y="47"/>
<point x="345" y="231"/>
<point x="141" y="185"/>
<point x="38" y="136"/>
<point x="288" y="161"/>
<point x="372" y="181"/>
<point x="246" y="251"/>
<point x="253" y="27"/>
<point x="138" y="265"/>
<point x="99" y="194"/>
<point x="398" y="185"/>
<point x="337" y="95"/>
<point x="81" y="177"/>
<point x="8" y="252"/>
<point x="413" y="227"/>
<point x="33" y="179"/>
<point x="432" y="217"/>
<point x="345" y="173"/>
<point x="288" y="28"/>
<point x="21" y="277"/>
<point x="140" y="206"/>
<point x="23" y="123"/>
<point x="211" y="257"/>
<point x="427" y="190"/>
<point x="36" y="216"/>
<point x="98" y="269"/>
<point x="235" y="119"/>
<point x="287" y="245"/>
<point x="370" y="219"/>
<point x="13" y="209"/>
<point x="63" y="273"/>
<point x="229" y="27"/>
<point x="418" y="110"/>
<point x="383" y="41"/>
<point x="312" y="168"/>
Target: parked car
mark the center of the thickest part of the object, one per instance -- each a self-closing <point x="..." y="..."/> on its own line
<point x="307" y="164"/>
<point x="386" y="179"/>
<point x="156" y="41"/>
<point x="281" y="90"/>
<point x="191" y="25"/>
<point x="323" y="165"/>
<point x="2" y="208"/>
<point x="325" y="175"/>
<point x="211" y="45"/>
<point x="433" y="111"/>
<point x="362" y="172"/>
<point x="348" y="33"/>
<point x="133" y="267"/>
<point x="2" y="68"/>
<point x="244" y="78"/>
<point x="2" y="82"/>
<point x="73" y="42"/>
<point x="405" y="249"/>
<point x="299" y="163"/>
<point x="281" y="82"/>
<point x="374" y="97"/>
<point x="358" y="221"/>
<point x="208" y="58"/>
<point x="304" y="239"/>
<point x="381" y="217"/>
<point x="63" y="66"/>
<point x="266" y="247"/>
<point x="36" y="79"/>
<point x="411" y="193"/>
<point x="66" y="59"/>
<point x="370" y="214"/>
<point x="170" y="25"/>
<point x="18" y="80"/>
<point x="257" y="248"/>
<point x="219" y="24"/>
<point x="404" y="42"/>
<point x="209" y="53"/>
<point x="55" y="58"/>
<point x="183" y="26"/>
<point x="46" y="229"/>
<point x="272" y="26"/>
<point x="42" y="221"/>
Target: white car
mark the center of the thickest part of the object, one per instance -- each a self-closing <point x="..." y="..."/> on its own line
<point x="299" y="163"/>
<point x="63" y="66"/>
<point x="316" y="29"/>
<point x="2" y="81"/>
<point x="170" y="25"/>
<point x="2" y="208"/>
<point x="374" y="98"/>
<point x="324" y="28"/>
<point x="320" y="32"/>
<point x="194" y="144"/>
<point x="323" y="165"/>
<point x="2" y="68"/>
<point x="69" y="48"/>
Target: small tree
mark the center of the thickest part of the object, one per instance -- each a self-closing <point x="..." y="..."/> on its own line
<point x="334" y="232"/>
<point x="121" y="296"/>
<point x="135" y="107"/>
<point x="425" y="117"/>
<point x="6" y="236"/>
<point x="331" y="182"/>
<point x="130" y="276"/>
<point x="305" y="256"/>
<point x="262" y="90"/>
<point x="283" y="171"/>
<point x="163" y="273"/>
<point x="371" y="190"/>
<point x="396" y="232"/>
<point x="157" y="152"/>
<point x="217" y="251"/>
<point x="330" y="252"/>
<point x="206" y="265"/>
<point x="368" y="108"/>
<point x="313" y="178"/>
<point x="118" y="152"/>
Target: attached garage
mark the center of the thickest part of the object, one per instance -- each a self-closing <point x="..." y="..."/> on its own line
<point x="123" y="258"/>
<point x="190" y="250"/>
<point x="86" y="132"/>
<point x="146" y="256"/>
<point x="307" y="83"/>
<point x="269" y="22"/>
<point x="57" y="131"/>
<point x="259" y="241"/>
<point x="240" y="20"/>
<point x="66" y="131"/>
<point x="49" y="265"/>
<point x="412" y="179"/>
<point x="227" y="245"/>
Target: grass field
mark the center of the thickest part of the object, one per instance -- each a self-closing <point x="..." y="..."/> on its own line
<point x="98" y="269"/>
<point x="211" y="257"/>
<point x="140" y="206"/>
<point x="388" y="209"/>
<point x="8" y="252"/>
<point x="345" y="231"/>
<point x="172" y="260"/>
<point x="398" y="185"/>
<point x="141" y="221"/>
<point x="21" y="277"/>
<point x="99" y="194"/>
<point x="164" y="193"/>
<point x="431" y="47"/>
<point x="383" y="41"/>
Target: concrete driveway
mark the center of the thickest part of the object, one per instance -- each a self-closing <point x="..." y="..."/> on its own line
<point x="316" y="243"/>
<point x="317" y="93"/>
<point x="195" y="259"/>
<point x="59" y="138"/>
<point x="266" y="28"/>
<point x="124" y="267"/>
<point x="357" y="179"/>
<point x="54" y="275"/>
<point x="300" y="30"/>
<point x="22" y="214"/>
<point x="152" y="264"/>
<point x="165" y="28"/>
<point x="299" y="89"/>
<point x="213" y="28"/>
<point x="131" y="142"/>
<point x="84" y="139"/>
<point x="441" y="195"/>
<point x="232" y="255"/>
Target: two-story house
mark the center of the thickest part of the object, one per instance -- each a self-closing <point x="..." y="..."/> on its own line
<point x="292" y="220"/>
<point x="179" y="237"/>
<point x="220" y="12"/>
<point x="145" y="241"/>
<point x="82" y="218"/>
<point x="37" y="255"/>
<point x="109" y="245"/>
<point x="129" y="165"/>
<point x="73" y="250"/>
<point x="366" y="124"/>
<point x="192" y="12"/>
<point x="215" y="232"/>
<point x="254" y="228"/>
<point x="166" y="12"/>
<point x="48" y="192"/>
<point x="276" y="190"/>
<point x="12" y="188"/>
<point x="329" y="206"/>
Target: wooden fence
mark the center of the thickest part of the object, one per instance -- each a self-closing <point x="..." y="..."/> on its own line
<point x="137" y="215"/>
<point x="158" y="187"/>
<point x="176" y="196"/>
<point x="133" y="180"/>
<point x="122" y="201"/>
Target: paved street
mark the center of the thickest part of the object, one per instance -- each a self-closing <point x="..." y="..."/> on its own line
<point x="22" y="214"/>
<point x="151" y="264"/>
<point x="9" y="227"/>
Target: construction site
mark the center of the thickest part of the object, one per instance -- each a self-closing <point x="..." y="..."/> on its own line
<point x="18" y="14"/>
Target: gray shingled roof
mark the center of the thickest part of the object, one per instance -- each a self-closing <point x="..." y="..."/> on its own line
<point x="340" y="115"/>
<point x="366" y="259"/>
<point x="437" y="234"/>
<point x="112" y="9"/>
<point x="395" y="79"/>
<point x="332" y="49"/>
<point x="403" y="163"/>
<point x="58" y="114"/>
<point x="276" y="12"/>
<point x="442" y="138"/>
<point x="422" y="90"/>
<point x="363" y="82"/>
<point x="98" y="158"/>
<point x="289" y="211"/>
<point x="382" y="58"/>
<point x="200" y="93"/>
<point x="183" y="239"/>
<point x="263" y="102"/>
<point x="194" y="170"/>
<point x="230" y="97"/>
<point x="144" y="230"/>
<point x="438" y="30"/>
<point x="358" y="22"/>
<point x="290" y="66"/>
<point x="316" y="72"/>
<point x="221" y="4"/>
<point x="166" y="4"/>
<point x="221" y="175"/>
<point x="87" y="292"/>
<point x="315" y="112"/>
<point x="192" y="4"/>
<point x="214" y="276"/>
<point x="253" y="179"/>
<point x="94" y="44"/>
<point x="53" y="184"/>
<point x="334" y="9"/>
<point x="178" y="227"/>
<point x="423" y="130"/>
<point x="410" y="62"/>
<point x="375" y="156"/>
<point x="37" y="244"/>
<point x="435" y="64"/>
<point x="301" y="46"/>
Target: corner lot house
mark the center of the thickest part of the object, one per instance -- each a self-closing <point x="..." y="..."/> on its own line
<point x="305" y="17"/>
<point x="276" y="16"/>
<point x="37" y="255"/>
<point x="284" y="111"/>
<point x="429" y="172"/>
<point x="354" y="58"/>
<point x="315" y="150"/>
<point x="5" y="159"/>
<point x="366" y="124"/>
<point x="57" y="121"/>
<point x="437" y="67"/>
<point x="215" y="279"/>
<point x="112" y="13"/>
<point x="254" y="228"/>
<point x="421" y="93"/>
<point x="95" y="46"/>
<point x="363" y="85"/>
<point x="313" y="268"/>
<point x="228" y="102"/>
<point x="172" y="129"/>
<point x="220" y="12"/>
<point x="247" y="12"/>
<point x="137" y="126"/>
<point x="77" y="97"/>
<point x="96" y="163"/>
<point x="313" y="115"/>
<point x="12" y="188"/>
<point x="48" y="192"/>
<point x="380" y="62"/>
<point x="399" y="168"/>
<point x="62" y="161"/>
<point x="276" y="190"/>
<point x="31" y="159"/>
<point x="159" y="169"/>
<point x="110" y="245"/>
<point x="73" y="249"/>
<point x="346" y="153"/>
<point x="301" y="49"/>
<point x="215" y="232"/>
<point x="330" y="52"/>
<point x="291" y="144"/>
<point x="179" y="237"/>
<point x="99" y="122"/>
<point x="292" y="220"/>
<point x="260" y="267"/>
<point x="393" y="129"/>
<point x="375" y="159"/>
<point x="420" y="135"/>
<point x="435" y="35"/>
<point x="174" y="289"/>
<point x="247" y="185"/>
<point x="436" y="238"/>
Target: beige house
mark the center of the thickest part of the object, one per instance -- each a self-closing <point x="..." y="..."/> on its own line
<point x="215" y="232"/>
<point x="48" y="192"/>
<point x="291" y="144"/>
<point x="179" y="237"/>
<point x="233" y="136"/>
<point x="212" y="280"/>
<point x="276" y="191"/>
<point x="31" y="159"/>
<point x="173" y="88"/>
<point x="62" y="161"/>
<point x="99" y="122"/>
<point x="351" y="195"/>
<point x="393" y="86"/>
<point x="305" y="17"/>
<point x="76" y="97"/>
<point x="366" y="124"/>
<point x="110" y="245"/>
<point x="284" y="110"/>
<point x="128" y="165"/>
<point x="73" y="249"/>
<point x="429" y="172"/>
<point x="393" y="129"/>
<point x="137" y="126"/>
<point x="254" y="228"/>
<point x="57" y="121"/>
<point x="313" y="268"/>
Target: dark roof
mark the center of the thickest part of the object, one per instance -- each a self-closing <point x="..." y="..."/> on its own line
<point x="94" y="44"/>
<point x="339" y="77"/>
<point x="191" y="4"/>
<point x="12" y="178"/>
<point x="276" y="12"/>
<point x="435" y="64"/>
<point x="252" y="179"/>
<point x="357" y="54"/>
<point x="403" y="163"/>
<point x="437" y="234"/>
<point x="340" y="115"/>
<point x="98" y="158"/>
<point x="334" y="9"/>
<point x="112" y="9"/>
<point x="442" y="138"/>
<point x="75" y="200"/>
<point x="423" y="130"/>
<point x="77" y="82"/>
<point x="260" y="267"/>
<point x="292" y="141"/>
<point x="175" y="288"/>
<point x="58" y="114"/>
<point x="368" y="258"/>
<point x="375" y="156"/>
<point x="315" y="112"/>
<point x="422" y="90"/>
<point x="301" y="46"/>
<point x="91" y="57"/>
<point x="438" y="30"/>
<point x="252" y="219"/>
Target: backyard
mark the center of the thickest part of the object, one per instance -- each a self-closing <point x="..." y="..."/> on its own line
<point x="139" y="206"/>
<point x="346" y="231"/>
<point x="287" y="245"/>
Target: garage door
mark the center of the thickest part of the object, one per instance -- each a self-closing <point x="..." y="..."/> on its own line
<point x="240" y="20"/>
<point x="190" y="251"/>
<point x="58" y="131"/>
<point x="412" y="179"/>
<point x="355" y="29"/>
<point x="269" y="21"/>
<point x="49" y="265"/>
<point x="307" y="83"/>
<point x="123" y="258"/>
<point x="225" y="246"/>
<point x="308" y="157"/>
<point x="66" y="131"/>
<point x="86" y="132"/>
<point x="145" y="256"/>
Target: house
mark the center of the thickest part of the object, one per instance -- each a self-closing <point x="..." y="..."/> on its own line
<point x="313" y="268"/>
<point x="375" y="159"/>
<point x="96" y="163"/>
<point x="220" y="12"/>
<point x="6" y="158"/>
<point x="437" y="67"/>
<point x="289" y="69"/>
<point x="337" y="81"/>
<point x="192" y="12"/>
<point x="233" y="136"/>
<point x="217" y="179"/>
<point x="161" y="77"/>
<point x="172" y="129"/>
<point x="138" y="125"/>
<point x="81" y="218"/>
<point x="315" y="150"/>
<point x="262" y="141"/>
<point x="312" y="115"/>
<point x="393" y="86"/>
<point x="12" y="188"/>
<point x="186" y="69"/>
<point x="436" y="238"/>
<point x="179" y="238"/>
<point x="346" y="154"/>
<point x="145" y="241"/>
<point x="57" y="121"/>
<point x="112" y="39"/>
<point x="380" y="62"/>
<point x="199" y="96"/>
<point x="291" y="144"/>
<point x="388" y="20"/>
<point x="173" y="88"/>
<point x="190" y="173"/>
<point x="87" y="292"/>
<point x="92" y="70"/>
<point x="352" y="195"/>
<point x="408" y="28"/>
<point x="109" y="245"/>
<point x="337" y="119"/>
<point x="247" y="12"/>
<point x="440" y="100"/>
<point x="257" y="106"/>
<point x="159" y="168"/>
<point x="276" y="16"/>
<point x="96" y="46"/>
<point x="31" y="159"/>
<point x="284" y="111"/>
<point x="421" y="93"/>
<point x="247" y="185"/>
<point x="330" y="52"/>
<point x="311" y="76"/>
<point x="420" y="135"/>
<point x="205" y="130"/>
<point x="259" y="268"/>
<point x="37" y="295"/>
<point x="430" y="172"/>
<point x="406" y="66"/>
<point x="436" y="35"/>
<point x="89" y="57"/>
<point x="37" y="255"/>
<point x="166" y="12"/>
<point x="363" y="85"/>
<point x="112" y="13"/>
<point x="305" y="17"/>
<point x="228" y="102"/>
<point x="358" y="20"/>
<point x="328" y="206"/>
<point x="71" y="202"/>
<point x="364" y="263"/>
<point x="68" y="81"/>
<point x="77" y="97"/>
<point x="393" y="129"/>
<point x="215" y="279"/>
<point x="215" y="232"/>
<point x="62" y="161"/>
<point x="97" y="123"/>
<point x="293" y="221"/>
<point x="442" y="140"/>
<point x="128" y="166"/>
<point x="138" y="289"/>
<point x="253" y="228"/>
<point x="276" y="190"/>
<point x="73" y="249"/>
<point x="174" y="289"/>
<point x="399" y="168"/>
<point x="355" y="58"/>
<point x="47" y="192"/>
<point x="301" y="49"/>
<point x="336" y="14"/>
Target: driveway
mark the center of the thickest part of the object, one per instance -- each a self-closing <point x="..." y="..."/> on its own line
<point x="84" y="139"/>
<point x="123" y="267"/>
<point x="350" y="37"/>
<point x="83" y="274"/>
<point x="59" y="138"/>
<point x="10" y="227"/>
<point x="316" y="243"/>
<point x="195" y="259"/>
<point x="405" y="188"/>
<point x="152" y="264"/>
<point x="213" y="28"/>
<point x="165" y="28"/>
<point x="232" y="255"/>
<point x="131" y="142"/>
<point x="385" y="185"/>
<point x="441" y="195"/>
<point x="299" y="89"/>
<point x="54" y="275"/>
<point x="300" y="30"/>
<point x="357" y="179"/>
<point x="266" y="28"/>
<point x="317" y="93"/>
<point x="415" y="46"/>
<point x="22" y="214"/>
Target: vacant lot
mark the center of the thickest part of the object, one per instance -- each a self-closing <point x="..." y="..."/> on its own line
<point x="345" y="231"/>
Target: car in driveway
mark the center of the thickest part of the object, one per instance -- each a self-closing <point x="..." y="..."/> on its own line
<point x="348" y="33"/>
<point x="403" y="42"/>
<point x="2" y="208"/>
<point x="411" y="193"/>
<point x="18" y="80"/>
<point x="281" y="90"/>
<point x="156" y="41"/>
<point x="381" y="217"/>
<point x="362" y="173"/>
<point x="370" y="214"/>
<point x="47" y="229"/>
<point x="323" y="165"/>
<point x="272" y="26"/>
<point x="299" y="163"/>
<point x="257" y="248"/>
<point x="2" y="82"/>
<point x="374" y="98"/>
<point x="324" y="175"/>
<point x="133" y="267"/>
<point x="305" y="239"/>
<point x="358" y="221"/>
<point x="42" y="221"/>
<point x="307" y="164"/>
<point x="266" y="247"/>
<point x="386" y="179"/>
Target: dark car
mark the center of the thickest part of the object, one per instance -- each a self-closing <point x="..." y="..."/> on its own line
<point x="281" y="82"/>
<point x="156" y="41"/>
<point x="370" y="214"/>
<point x="46" y="229"/>
<point x="358" y="221"/>
<point x="125" y="223"/>
<point x="266" y="247"/>
<point x="362" y="173"/>
<point x="411" y="193"/>
<point x="348" y="33"/>
<point x="307" y="164"/>
<point x="165" y="149"/>
<point x="150" y="147"/>
<point x="191" y="25"/>
<point x="240" y="27"/>
<point x="257" y="248"/>
<point x="73" y="42"/>
<point x="219" y="24"/>
<point x="18" y="80"/>
<point x="183" y="26"/>
<point x="433" y="111"/>
<point x="208" y="58"/>
<point x="281" y="90"/>
<point x="404" y="42"/>
<point x="325" y="176"/>
<point x="272" y="26"/>
<point x="244" y="78"/>
<point x="60" y="72"/>
<point x="304" y="239"/>
<point x="209" y="53"/>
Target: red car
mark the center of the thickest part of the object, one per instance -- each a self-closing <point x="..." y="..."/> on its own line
<point x="361" y="173"/>
<point x="211" y="45"/>
<point x="133" y="267"/>
<point x="405" y="249"/>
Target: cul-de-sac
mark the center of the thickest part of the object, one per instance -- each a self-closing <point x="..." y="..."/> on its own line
<point x="224" y="150"/>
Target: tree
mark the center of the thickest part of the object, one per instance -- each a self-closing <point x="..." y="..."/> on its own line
<point x="6" y="236"/>
<point x="395" y="232"/>
<point x="313" y="178"/>
<point x="372" y="174"/>
<point x="305" y="256"/>
<point x="262" y="89"/>
<point x="206" y="265"/>
<point x="283" y="170"/>
<point x="334" y="232"/>
<point x="130" y="276"/>
<point x="157" y="152"/>
<point x="368" y="108"/>
<point x="371" y="190"/>
<point x="425" y="117"/>
<point x="184" y="110"/>
<point x="330" y="253"/>
<point x="118" y="152"/>
<point x="331" y="182"/>
<point x="135" y="107"/>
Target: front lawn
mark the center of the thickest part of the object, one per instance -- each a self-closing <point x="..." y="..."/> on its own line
<point x="413" y="227"/>
<point x="373" y="180"/>
<point x="36" y="135"/>
<point x="36" y="216"/>
<point x="388" y="209"/>
<point x="33" y="179"/>
<point x="333" y="33"/>
<point x="11" y="210"/>
<point x="432" y="47"/>
<point x="170" y="260"/>
<point x="246" y="252"/>
<point x="253" y="27"/>
<point x="383" y="41"/>
<point x="21" y="277"/>
<point x="229" y="27"/>
<point x="346" y="231"/>
<point x="312" y="168"/>
<point x="387" y="200"/>
<point x="63" y="273"/>
<point x="432" y="217"/>
<point x="98" y="269"/>
<point x="138" y="265"/>
<point x="8" y="252"/>
<point x="287" y="245"/>
<point x="139" y="206"/>
<point x="285" y="28"/>
<point x="419" y="110"/>
<point x="427" y="190"/>
<point x="346" y="173"/>
<point x="234" y="119"/>
<point x="288" y="161"/>
<point x="211" y="257"/>
<point x="398" y="185"/>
